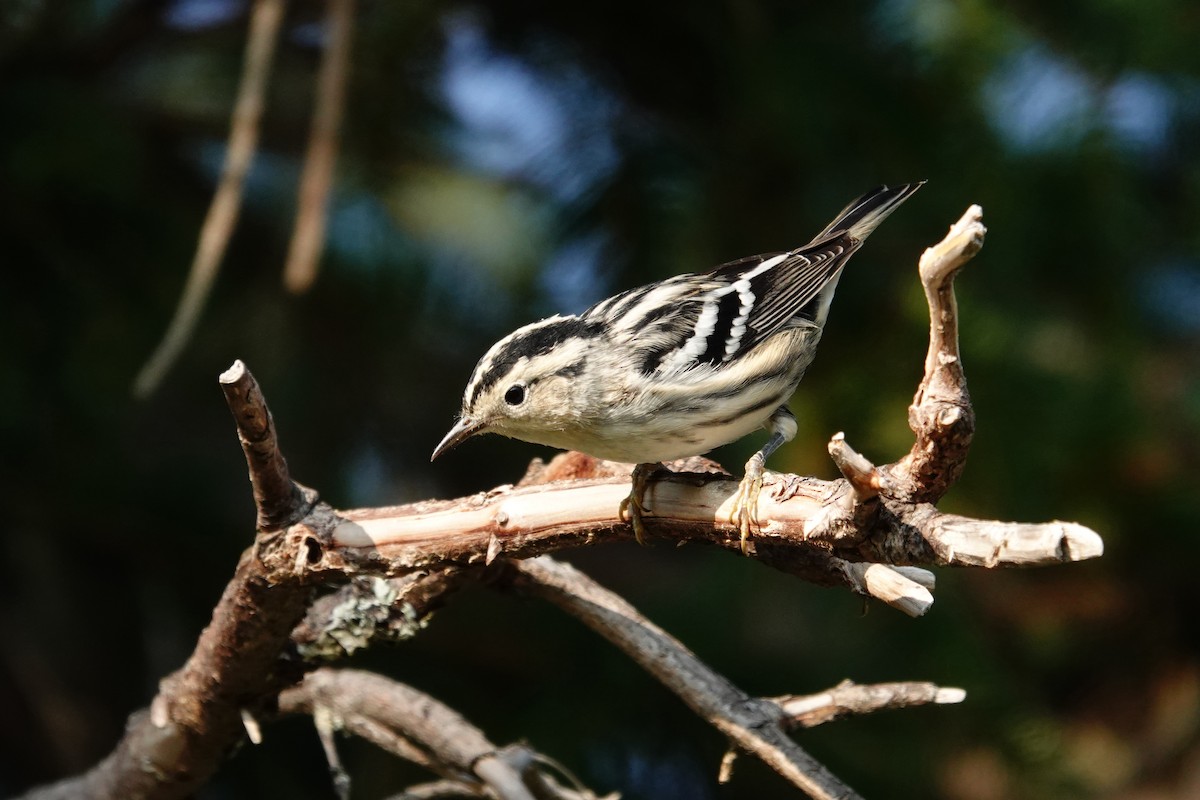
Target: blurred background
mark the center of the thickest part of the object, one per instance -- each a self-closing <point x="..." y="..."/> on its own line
<point x="503" y="161"/>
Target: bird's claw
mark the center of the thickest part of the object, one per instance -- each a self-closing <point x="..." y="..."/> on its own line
<point x="744" y="513"/>
<point x="631" y="510"/>
<point x="633" y="507"/>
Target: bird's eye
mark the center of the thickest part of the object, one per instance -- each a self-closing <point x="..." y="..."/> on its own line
<point x="515" y="395"/>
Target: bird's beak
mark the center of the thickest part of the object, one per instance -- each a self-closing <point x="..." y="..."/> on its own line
<point x="464" y="429"/>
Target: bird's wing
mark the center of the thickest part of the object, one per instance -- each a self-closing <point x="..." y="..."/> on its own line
<point x="709" y="319"/>
<point x="775" y="289"/>
<point x="694" y="320"/>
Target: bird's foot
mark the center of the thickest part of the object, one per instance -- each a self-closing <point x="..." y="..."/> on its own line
<point x="633" y="507"/>
<point x="744" y="513"/>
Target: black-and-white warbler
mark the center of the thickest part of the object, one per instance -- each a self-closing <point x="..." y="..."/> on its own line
<point x="674" y="368"/>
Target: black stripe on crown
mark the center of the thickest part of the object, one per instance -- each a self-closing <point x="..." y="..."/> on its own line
<point x="529" y="344"/>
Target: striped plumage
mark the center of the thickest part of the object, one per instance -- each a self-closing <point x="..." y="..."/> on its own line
<point x="674" y="368"/>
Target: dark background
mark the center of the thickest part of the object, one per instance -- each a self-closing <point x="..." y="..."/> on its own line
<point x="502" y="162"/>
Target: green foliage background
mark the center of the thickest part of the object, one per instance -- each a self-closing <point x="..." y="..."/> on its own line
<point x="503" y="161"/>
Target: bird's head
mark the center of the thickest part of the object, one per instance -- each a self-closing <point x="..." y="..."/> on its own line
<point x="525" y="386"/>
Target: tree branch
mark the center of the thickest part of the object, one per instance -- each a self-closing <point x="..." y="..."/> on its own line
<point x="940" y="416"/>
<point x="414" y="726"/>
<point x="866" y="532"/>
<point x="279" y="500"/>
<point x="751" y="723"/>
<point x="196" y="716"/>
<point x="236" y="668"/>
<point x="804" y="524"/>
<point x="814" y="529"/>
<point x="265" y="22"/>
<point x="849" y="698"/>
<point x="434" y="790"/>
<point x="316" y="180"/>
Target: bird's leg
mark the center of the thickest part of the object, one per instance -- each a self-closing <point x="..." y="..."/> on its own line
<point x="744" y="513"/>
<point x="634" y="502"/>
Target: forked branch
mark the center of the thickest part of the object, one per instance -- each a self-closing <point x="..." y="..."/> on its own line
<point x="752" y="724"/>
<point x="414" y="726"/>
<point x="940" y="416"/>
<point x="873" y="532"/>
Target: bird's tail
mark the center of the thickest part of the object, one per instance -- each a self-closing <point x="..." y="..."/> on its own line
<point x="863" y="215"/>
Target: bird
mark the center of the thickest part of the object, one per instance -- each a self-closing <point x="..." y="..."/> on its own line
<point x="674" y="368"/>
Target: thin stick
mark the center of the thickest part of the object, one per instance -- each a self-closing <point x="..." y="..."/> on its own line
<point x="430" y="733"/>
<point x="861" y="473"/>
<point x="308" y="237"/>
<point x="279" y="500"/>
<point x="265" y="23"/>
<point x="849" y="698"/>
<point x="326" y="730"/>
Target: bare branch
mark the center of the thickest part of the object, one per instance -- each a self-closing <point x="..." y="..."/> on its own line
<point x="395" y="717"/>
<point x="686" y="507"/>
<point x="265" y="22"/>
<point x="940" y="415"/>
<point x="415" y="726"/>
<point x="434" y="790"/>
<point x="308" y="237"/>
<point x="864" y="532"/>
<point x="991" y="543"/>
<point x="236" y="668"/>
<point x="907" y="589"/>
<point x="324" y="723"/>
<point x="197" y="713"/>
<point x="848" y="698"/>
<point x="861" y="473"/>
<point x="278" y="499"/>
<point x="751" y="723"/>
